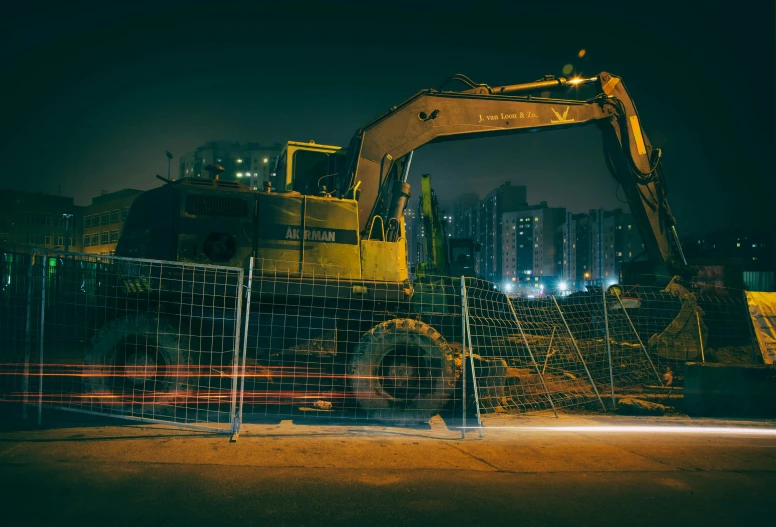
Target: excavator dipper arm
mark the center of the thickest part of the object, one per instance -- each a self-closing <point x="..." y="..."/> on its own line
<point x="377" y="150"/>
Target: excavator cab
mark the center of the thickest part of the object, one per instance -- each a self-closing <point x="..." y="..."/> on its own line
<point x="309" y="168"/>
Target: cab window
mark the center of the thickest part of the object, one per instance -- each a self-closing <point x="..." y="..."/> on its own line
<point x="310" y="169"/>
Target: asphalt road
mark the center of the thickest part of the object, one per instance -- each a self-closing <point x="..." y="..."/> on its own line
<point x="86" y="473"/>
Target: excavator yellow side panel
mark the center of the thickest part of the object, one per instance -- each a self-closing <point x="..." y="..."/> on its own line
<point x="384" y="261"/>
<point x="307" y="236"/>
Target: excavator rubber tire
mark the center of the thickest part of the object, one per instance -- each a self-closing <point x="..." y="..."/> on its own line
<point x="143" y="362"/>
<point x="402" y="372"/>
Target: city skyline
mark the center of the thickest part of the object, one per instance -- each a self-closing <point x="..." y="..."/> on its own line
<point x="99" y="95"/>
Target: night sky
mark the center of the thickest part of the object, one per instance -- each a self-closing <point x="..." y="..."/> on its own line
<point x="94" y="94"/>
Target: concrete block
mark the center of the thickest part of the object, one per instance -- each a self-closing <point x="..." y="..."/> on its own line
<point x="730" y="390"/>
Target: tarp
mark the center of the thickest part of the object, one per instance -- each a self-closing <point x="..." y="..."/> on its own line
<point x="762" y="309"/>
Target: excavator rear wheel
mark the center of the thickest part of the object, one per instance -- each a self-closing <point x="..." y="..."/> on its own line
<point x="402" y="372"/>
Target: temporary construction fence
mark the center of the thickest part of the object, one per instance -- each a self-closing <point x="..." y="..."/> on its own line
<point x="140" y="339"/>
<point x="198" y="345"/>
<point x="20" y="345"/>
<point x="333" y="346"/>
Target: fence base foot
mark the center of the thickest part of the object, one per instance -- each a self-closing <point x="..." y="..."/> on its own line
<point x="234" y="437"/>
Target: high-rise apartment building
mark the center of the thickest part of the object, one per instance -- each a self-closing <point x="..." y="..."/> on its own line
<point x="614" y="239"/>
<point x="528" y="255"/>
<point x="504" y="199"/>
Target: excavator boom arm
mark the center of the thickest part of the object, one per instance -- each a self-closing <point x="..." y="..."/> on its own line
<point x="432" y="116"/>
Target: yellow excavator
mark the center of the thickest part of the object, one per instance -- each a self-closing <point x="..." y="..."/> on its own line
<point x="336" y="214"/>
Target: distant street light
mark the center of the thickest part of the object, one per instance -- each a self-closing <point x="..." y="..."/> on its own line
<point x="169" y="160"/>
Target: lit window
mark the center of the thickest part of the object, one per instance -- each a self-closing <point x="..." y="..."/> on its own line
<point x="629" y="227"/>
<point x="239" y="174"/>
<point x="536" y="219"/>
<point x="239" y="160"/>
<point x="754" y="245"/>
<point x="738" y="244"/>
<point x="619" y="254"/>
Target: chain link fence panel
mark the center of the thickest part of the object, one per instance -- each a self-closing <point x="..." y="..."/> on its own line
<point x="527" y="358"/>
<point x="343" y="348"/>
<point x="20" y="336"/>
<point x="140" y="339"/>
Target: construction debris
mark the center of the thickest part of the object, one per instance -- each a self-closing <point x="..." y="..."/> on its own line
<point x="631" y="406"/>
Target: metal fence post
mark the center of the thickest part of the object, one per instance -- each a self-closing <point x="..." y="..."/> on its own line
<point x="235" y="425"/>
<point x="579" y="353"/>
<point x="750" y="328"/>
<point x="246" y="327"/>
<point x="608" y="344"/>
<point x="530" y="353"/>
<point x="463" y="356"/>
<point x="42" y="331"/>
<point x="700" y="335"/>
<point x="471" y="363"/>
<point x="549" y="350"/>
<point x="27" y="342"/>
<point x="638" y="337"/>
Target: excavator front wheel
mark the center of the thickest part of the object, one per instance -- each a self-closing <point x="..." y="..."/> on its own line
<point x="402" y="372"/>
